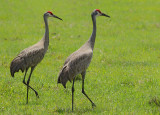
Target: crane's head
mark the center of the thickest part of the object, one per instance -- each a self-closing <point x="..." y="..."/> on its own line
<point x="50" y="14"/>
<point x="97" y="12"/>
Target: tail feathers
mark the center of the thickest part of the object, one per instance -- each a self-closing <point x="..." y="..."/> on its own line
<point x="16" y="65"/>
<point x="63" y="76"/>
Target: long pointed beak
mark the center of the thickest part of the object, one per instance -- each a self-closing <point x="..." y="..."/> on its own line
<point x="56" y="17"/>
<point x="105" y="15"/>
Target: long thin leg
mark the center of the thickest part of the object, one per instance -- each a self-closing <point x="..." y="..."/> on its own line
<point x="73" y="93"/>
<point x="25" y="75"/>
<point x="83" y="77"/>
<point x="29" y="86"/>
<point x="32" y="68"/>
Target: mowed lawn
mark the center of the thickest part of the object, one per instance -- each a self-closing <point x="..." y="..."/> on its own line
<point x="123" y="77"/>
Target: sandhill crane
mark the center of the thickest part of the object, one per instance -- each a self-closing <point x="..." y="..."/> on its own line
<point x="78" y="61"/>
<point x="32" y="55"/>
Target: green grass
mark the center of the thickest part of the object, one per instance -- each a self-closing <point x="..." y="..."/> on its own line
<point x="123" y="77"/>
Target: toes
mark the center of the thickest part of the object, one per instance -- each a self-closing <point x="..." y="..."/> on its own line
<point x="37" y="94"/>
<point x="93" y="105"/>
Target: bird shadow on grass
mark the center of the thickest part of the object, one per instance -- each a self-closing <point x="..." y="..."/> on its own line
<point x="78" y="77"/>
<point x="30" y="103"/>
<point x="155" y="101"/>
<point x="76" y="110"/>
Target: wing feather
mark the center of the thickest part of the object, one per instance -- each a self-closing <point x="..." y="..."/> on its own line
<point x="27" y="58"/>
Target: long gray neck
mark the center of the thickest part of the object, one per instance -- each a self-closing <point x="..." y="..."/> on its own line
<point x="93" y="36"/>
<point x="45" y="38"/>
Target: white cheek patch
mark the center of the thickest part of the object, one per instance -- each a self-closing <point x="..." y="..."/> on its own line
<point x="99" y="14"/>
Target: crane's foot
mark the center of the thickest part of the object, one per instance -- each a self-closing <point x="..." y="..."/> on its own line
<point x="93" y="105"/>
<point x="27" y="102"/>
<point x="36" y="94"/>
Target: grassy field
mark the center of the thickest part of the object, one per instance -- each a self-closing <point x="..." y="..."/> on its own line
<point x="123" y="77"/>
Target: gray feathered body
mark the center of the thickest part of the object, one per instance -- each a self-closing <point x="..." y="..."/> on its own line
<point x="76" y="63"/>
<point x="29" y="57"/>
